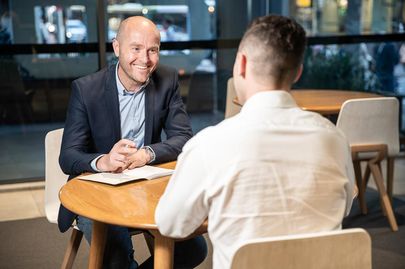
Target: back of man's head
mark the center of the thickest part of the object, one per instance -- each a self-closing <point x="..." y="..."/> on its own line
<point x="275" y="45"/>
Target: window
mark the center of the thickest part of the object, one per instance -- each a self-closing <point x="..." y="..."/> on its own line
<point x="49" y="44"/>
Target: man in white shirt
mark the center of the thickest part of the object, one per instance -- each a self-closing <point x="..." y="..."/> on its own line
<point x="273" y="169"/>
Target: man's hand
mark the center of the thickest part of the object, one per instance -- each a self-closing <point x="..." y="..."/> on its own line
<point x="117" y="159"/>
<point x="138" y="159"/>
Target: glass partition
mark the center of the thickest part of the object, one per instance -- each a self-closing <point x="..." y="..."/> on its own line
<point x="44" y="45"/>
<point x="376" y="67"/>
<point x="60" y="22"/>
<point x="344" y="17"/>
<point x="176" y="20"/>
<point x="34" y="94"/>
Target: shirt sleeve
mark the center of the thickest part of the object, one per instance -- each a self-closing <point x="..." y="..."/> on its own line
<point x="94" y="163"/>
<point x="351" y="189"/>
<point x="183" y="206"/>
<point x="152" y="152"/>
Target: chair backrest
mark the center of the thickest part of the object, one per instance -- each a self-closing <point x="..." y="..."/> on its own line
<point x="54" y="177"/>
<point x="371" y="121"/>
<point x="349" y="249"/>
<point x="231" y="108"/>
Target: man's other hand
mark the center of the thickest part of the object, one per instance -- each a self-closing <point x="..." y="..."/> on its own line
<point x="138" y="159"/>
<point x="117" y="159"/>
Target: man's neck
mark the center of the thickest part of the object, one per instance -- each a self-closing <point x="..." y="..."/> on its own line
<point x="130" y="86"/>
<point x="258" y="87"/>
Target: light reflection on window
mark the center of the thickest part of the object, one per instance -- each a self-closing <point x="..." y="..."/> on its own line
<point x="59" y="25"/>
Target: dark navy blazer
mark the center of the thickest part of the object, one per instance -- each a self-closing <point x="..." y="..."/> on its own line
<point x="93" y="125"/>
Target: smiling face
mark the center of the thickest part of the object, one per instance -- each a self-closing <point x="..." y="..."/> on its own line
<point x="137" y="48"/>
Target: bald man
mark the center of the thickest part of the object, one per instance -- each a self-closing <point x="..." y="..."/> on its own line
<point x="271" y="170"/>
<point x="114" y="121"/>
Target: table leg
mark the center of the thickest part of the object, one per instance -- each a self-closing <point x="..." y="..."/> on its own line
<point x="164" y="248"/>
<point x="97" y="245"/>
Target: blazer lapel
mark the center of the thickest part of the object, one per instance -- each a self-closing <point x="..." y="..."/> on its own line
<point x="149" y="105"/>
<point x="112" y="103"/>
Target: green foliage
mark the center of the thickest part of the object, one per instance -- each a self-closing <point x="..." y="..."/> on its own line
<point x="330" y="68"/>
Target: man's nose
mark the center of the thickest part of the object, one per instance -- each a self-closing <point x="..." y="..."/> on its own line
<point x="145" y="56"/>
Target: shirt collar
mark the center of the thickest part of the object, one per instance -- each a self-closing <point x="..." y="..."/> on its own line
<point x="270" y="99"/>
<point x="121" y="89"/>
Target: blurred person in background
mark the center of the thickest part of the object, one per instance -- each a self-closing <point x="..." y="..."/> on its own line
<point x="386" y="57"/>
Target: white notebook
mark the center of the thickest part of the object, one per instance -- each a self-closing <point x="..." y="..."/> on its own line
<point x="144" y="172"/>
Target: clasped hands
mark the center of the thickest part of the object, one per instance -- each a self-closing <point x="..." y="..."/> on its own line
<point x="123" y="155"/>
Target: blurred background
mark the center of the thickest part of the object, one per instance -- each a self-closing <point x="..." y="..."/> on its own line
<point x="44" y="45"/>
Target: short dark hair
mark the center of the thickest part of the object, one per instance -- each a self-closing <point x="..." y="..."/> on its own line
<point x="276" y="45"/>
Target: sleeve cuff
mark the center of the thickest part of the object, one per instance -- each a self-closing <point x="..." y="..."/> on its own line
<point x="93" y="163"/>
<point x="151" y="153"/>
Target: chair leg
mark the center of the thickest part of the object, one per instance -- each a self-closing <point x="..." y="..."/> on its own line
<point x="72" y="248"/>
<point x="359" y="182"/>
<point x="390" y="176"/>
<point x="383" y="194"/>
<point x="149" y="242"/>
<point x="366" y="178"/>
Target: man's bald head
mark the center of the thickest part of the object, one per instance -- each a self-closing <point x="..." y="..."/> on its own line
<point x="137" y="23"/>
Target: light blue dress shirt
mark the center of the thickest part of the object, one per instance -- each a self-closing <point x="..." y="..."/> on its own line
<point x="132" y="114"/>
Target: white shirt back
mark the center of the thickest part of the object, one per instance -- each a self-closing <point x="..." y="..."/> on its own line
<point x="273" y="169"/>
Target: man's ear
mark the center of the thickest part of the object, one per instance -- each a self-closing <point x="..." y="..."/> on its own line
<point x="299" y="73"/>
<point x="116" y="47"/>
<point x="241" y="64"/>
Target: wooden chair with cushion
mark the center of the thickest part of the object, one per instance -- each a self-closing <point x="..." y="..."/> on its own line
<point x="54" y="180"/>
<point x="371" y="127"/>
<point x="349" y="249"/>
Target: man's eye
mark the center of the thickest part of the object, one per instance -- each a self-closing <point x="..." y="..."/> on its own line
<point x="154" y="51"/>
<point x="136" y="49"/>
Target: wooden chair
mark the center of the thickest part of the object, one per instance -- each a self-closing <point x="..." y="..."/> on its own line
<point x="349" y="249"/>
<point x="54" y="180"/>
<point x="371" y="127"/>
<point x="231" y="108"/>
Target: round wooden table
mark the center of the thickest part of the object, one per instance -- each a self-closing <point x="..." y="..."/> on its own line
<point x="322" y="101"/>
<point x="326" y="102"/>
<point x="130" y="205"/>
